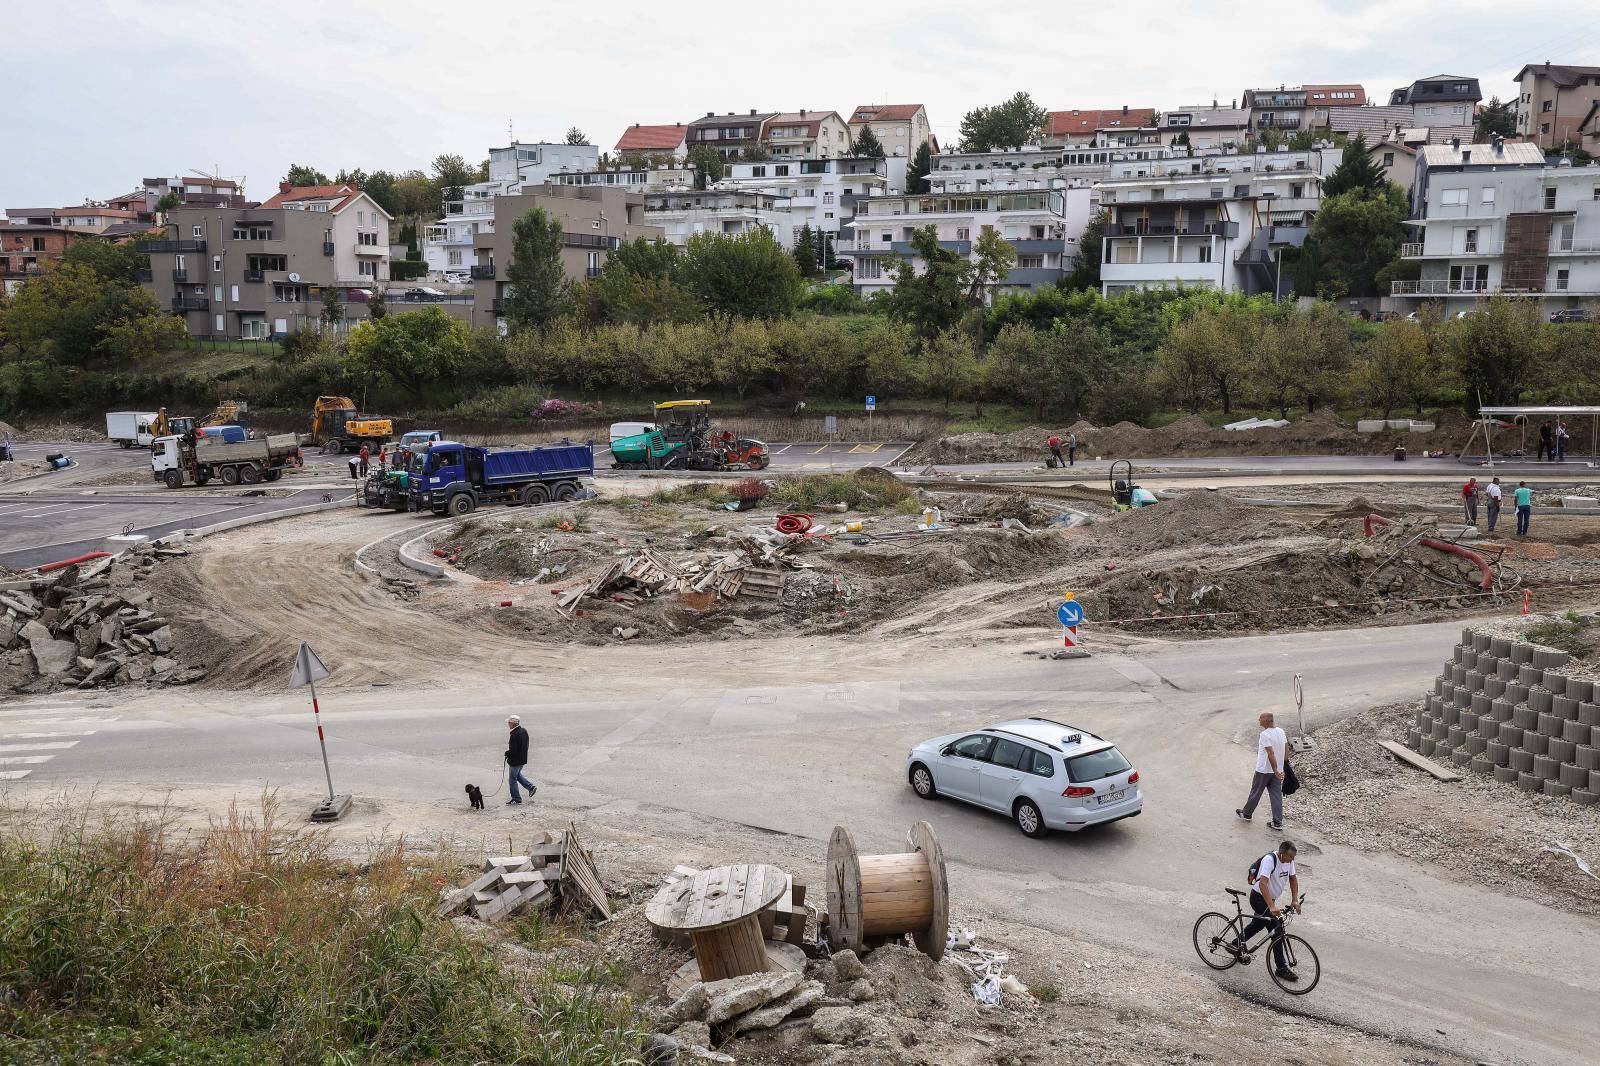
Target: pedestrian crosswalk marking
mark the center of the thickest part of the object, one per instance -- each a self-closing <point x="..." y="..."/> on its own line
<point x="14" y="775"/>
<point x="56" y="745"/>
<point x="46" y="736"/>
<point x="24" y="760"/>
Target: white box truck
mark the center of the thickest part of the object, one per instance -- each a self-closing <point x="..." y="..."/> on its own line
<point x="128" y="428"/>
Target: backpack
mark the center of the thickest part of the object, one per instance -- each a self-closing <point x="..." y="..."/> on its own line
<point x="1255" y="869"/>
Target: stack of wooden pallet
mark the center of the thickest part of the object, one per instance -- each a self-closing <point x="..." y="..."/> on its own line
<point x="555" y="870"/>
<point x="646" y="574"/>
<point x="784" y="920"/>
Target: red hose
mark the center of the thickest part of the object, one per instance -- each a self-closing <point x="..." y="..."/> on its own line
<point x="1440" y="545"/>
<point x="62" y="564"/>
<point x="794" y="524"/>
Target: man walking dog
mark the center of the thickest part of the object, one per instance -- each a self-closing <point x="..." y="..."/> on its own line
<point x="516" y="759"/>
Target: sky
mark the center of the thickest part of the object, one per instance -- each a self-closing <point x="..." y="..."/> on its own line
<point x="103" y="93"/>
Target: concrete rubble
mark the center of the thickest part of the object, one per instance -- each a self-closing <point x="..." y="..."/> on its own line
<point x="88" y="625"/>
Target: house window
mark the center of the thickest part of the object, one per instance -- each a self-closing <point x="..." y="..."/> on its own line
<point x="455" y="257"/>
<point x="758" y="172"/>
<point x="1205" y="253"/>
<point x="1388" y="159"/>
<point x="1471" y="244"/>
<point x="1453" y="197"/>
<point x="216" y="264"/>
<point x="1545" y="107"/>
<point x="1544" y="127"/>
<point x="221" y="326"/>
<point x="367" y="269"/>
<point x="253" y="329"/>
<point x="1549" y="199"/>
<point x="781" y="170"/>
<point x="1561" y="279"/>
<point x="1486" y="197"/>
<point x="197" y="232"/>
<point x="216" y="293"/>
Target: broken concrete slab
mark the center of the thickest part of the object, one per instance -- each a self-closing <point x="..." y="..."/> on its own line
<point x="802" y="998"/>
<point x="53" y="658"/>
<point x="737" y="995"/>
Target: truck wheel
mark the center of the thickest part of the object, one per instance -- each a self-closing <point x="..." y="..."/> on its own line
<point x="271" y="475"/>
<point x="566" y="491"/>
<point x="173" y="478"/>
<point x="202" y="478"/>
<point x="460" y="504"/>
<point x="126" y="444"/>
<point x="230" y="475"/>
<point x="331" y="447"/>
<point x="249" y="474"/>
<point x="533" y="495"/>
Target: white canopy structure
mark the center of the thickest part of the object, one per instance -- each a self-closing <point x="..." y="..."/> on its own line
<point x="1523" y="413"/>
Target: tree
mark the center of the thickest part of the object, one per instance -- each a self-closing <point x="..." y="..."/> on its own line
<point x="707" y="164"/>
<point x="1011" y="124"/>
<point x="377" y="304"/>
<point x="452" y="175"/>
<point x="73" y="314"/>
<point x="1357" y="171"/>
<point x="118" y="264"/>
<point x="743" y="354"/>
<point x="1356" y="234"/>
<point x="1398" y="367"/>
<point x="1303" y="140"/>
<point x="576" y="136"/>
<point x="936" y="299"/>
<point x="1271" y="138"/>
<point x="301" y="175"/>
<point x="1498" y="351"/>
<point x="413" y="349"/>
<point x="380" y="185"/>
<point x="746" y="274"/>
<point x="867" y="145"/>
<point x="537" y="285"/>
<point x="168" y="202"/>
<point x="1182" y="141"/>
<point x="1054" y="369"/>
<point x="332" y="308"/>
<point x="1207" y="354"/>
<point x="994" y="257"/>
<point x="805" y="252"/>
<point x="356" y="177"/>
<point x="1307" y="356"/>
<point x="950" y="365"/>
<point x="1086" y="261"/>
<point x="416" y="194"/>
<point x="917" y="173"/>
<point x="755" y="153"/>
<point x="1497" y="119"/>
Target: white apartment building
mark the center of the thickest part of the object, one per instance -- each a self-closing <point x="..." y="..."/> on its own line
<point x="664" y="178"/>
<point x="1496" y="218"/>
<point x="806" y="135"/>
<point x="447" y="245"/>
<point x="1208" y="128"/>
<point x="821" y="192"/>
<point x="1215" y="223"/>
<point x="1045" y="168"/>
<point x="684" y="213"/>
<point x="1035" y="222"/>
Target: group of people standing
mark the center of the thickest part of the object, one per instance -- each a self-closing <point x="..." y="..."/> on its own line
<point x="1055" y="443"/>
<point x="1493" y="494"/>
<point x="1553" y="442"/>
<point x="361" y="462"/>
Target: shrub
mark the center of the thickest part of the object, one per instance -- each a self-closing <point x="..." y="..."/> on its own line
<point x="863" y="490"/>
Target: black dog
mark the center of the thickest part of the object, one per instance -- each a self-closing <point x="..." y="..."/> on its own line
<point x="475" y="794"/>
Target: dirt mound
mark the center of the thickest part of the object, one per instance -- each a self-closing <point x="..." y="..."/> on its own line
<point x="8" y="430"/>
<point x="1196" y="518"/>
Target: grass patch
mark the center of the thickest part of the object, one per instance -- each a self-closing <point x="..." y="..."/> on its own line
<point x="249" y="942"/>
<point x="862" y="490"/>
<point x="1569" y="633"/>
<point x="1046" y="993"/>
<point x="566" y="521"/>
<point x="708" y="494"/>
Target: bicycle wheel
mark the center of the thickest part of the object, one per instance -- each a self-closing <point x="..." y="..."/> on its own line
<point x="1211" y="931"/>
<point x="1303" y="961"/>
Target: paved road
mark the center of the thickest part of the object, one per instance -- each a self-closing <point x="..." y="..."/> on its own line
<point x="1573" y="469"/>
<point x="1404" y="953"/>
<point x="809" y="456"/>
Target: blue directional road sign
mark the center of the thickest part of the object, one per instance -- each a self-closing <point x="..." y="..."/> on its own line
<point x="872" y="402"/>
<point x="1070" y="613"/>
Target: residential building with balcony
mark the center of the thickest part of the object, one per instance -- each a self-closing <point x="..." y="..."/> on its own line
<point x="1557" y="103"/>
<point x="729" y="135"/>
<point x="663" y="177"/>
<point x="257" y="272"/>
<point x="821" y="193"/>
<point x="900" y="128"/>
<point x="1042" y="226"/>
<point x="1101" y="127"/>
<point x="1206" y="128"/>
<point x="806" y="135"/>
<point x="1444" y="104"/>
<point x="28" y="251"/>
<point x="89" y="218"/>
<point x="195" y="189"/>
<point x="1048" y="168"/>
<point x="1300" y="107"/>
<point x="681" y="215"/>
<point x="658" y="142"/>
<point x="522" y="163"/>
<point x="594" y="220"/>
<point x="1219" y="228"/>
<point x="1497" y="218"/>
<point x="1324" y="101"/>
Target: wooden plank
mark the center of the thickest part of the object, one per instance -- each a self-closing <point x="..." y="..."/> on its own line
<point x="1406" y="755"/>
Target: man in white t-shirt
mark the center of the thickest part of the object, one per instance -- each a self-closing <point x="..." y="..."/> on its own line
<point x="1494" y="492"/>
<point x="1273" y="871"/>
<point x="1271" y="746"/>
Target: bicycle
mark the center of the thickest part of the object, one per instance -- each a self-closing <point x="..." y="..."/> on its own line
<point x="1214" y="933"/>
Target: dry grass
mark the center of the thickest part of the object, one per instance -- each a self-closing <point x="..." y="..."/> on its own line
<point x="249" y="942"/>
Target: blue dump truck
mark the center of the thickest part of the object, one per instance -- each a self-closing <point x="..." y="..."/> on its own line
<point x="457" y="479"/>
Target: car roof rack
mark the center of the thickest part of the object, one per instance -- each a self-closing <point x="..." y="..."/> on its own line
<point x="1020" y="736"/>
<point x="1069" y="728"/>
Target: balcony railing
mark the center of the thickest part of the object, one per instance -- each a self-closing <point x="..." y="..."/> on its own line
<point x="255" y="275"/>
<point x="483" y="273"/>
<point x="1473" y="248"/>
<point x="1438" y="287"/>
<point x="1578" y="244"/>
<point x="180" y="275"/>
<point x="591" y="272"/>
<point x="173" y="246"/>
<point x="183" y="304"/>
<point x="146" y="274"/>
<point x="327" y="247"/>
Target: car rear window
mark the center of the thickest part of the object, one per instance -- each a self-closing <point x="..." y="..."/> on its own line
<point x="1042" y="765"/>
<point x="1108" y="762"/>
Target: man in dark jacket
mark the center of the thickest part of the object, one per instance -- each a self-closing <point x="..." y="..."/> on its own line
<point x="516" y="759"/>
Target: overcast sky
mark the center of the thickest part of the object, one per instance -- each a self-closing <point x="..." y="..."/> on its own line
<point x="102" y="93"/>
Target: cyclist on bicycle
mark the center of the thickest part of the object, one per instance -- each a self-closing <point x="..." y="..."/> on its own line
<point x="1268" y="876"/>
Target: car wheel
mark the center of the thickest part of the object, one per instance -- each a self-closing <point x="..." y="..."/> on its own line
<point x="922" y="782"/>
<point x="1028" y="818"/>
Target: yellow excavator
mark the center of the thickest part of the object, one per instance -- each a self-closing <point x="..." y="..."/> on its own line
<point x="337" y="427"/>
<point x="226" y="413"/>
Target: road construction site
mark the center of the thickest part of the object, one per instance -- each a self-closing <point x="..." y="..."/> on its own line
<point x="707" y="684"/>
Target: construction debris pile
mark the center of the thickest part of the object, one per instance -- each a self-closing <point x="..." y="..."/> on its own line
<point x="699" y="579"/>
<point x="89" y="625"/>
<point x="556" y="870"/>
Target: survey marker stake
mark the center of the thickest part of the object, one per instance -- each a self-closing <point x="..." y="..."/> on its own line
<point x="308" y="670"/>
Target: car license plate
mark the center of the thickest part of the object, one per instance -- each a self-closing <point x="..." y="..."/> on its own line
<point x="1111" y="797"/>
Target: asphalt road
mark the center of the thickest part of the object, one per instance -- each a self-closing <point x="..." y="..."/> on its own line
<point x="1573" y="469"/>
<point x="1404" y="953"/>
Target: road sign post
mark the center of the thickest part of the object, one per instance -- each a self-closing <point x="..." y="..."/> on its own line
<point x="1070" y="614"/>
<point x="872" y="405"/>
<point x="1301" y="742"/>
<point x="830" y="425"/>
<point x="308" y="670"/>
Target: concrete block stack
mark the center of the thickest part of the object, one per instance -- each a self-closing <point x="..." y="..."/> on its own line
<point x="1506" y="709"/>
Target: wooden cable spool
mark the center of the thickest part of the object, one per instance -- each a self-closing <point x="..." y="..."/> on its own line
<point x="873" y="899"/>
<point x="720" y="909"/>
